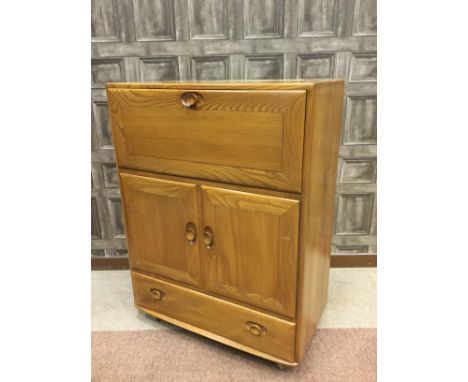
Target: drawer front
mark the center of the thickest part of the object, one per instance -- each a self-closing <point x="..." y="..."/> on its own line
<point x="257" y="330"/>
<point x="241" y="137"/>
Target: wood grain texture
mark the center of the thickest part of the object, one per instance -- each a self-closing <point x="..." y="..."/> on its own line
<point x="254" y="253"/>
<point x="236" y="187"/>
<point x="321" y="143"/>
<point x="157" y="213"/>
<point x="291" y="84"/>
<point x="241" y="137"/>
<point x="219" y="317"/>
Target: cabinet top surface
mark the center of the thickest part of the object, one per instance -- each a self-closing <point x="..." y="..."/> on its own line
<point x="233" y="84"/>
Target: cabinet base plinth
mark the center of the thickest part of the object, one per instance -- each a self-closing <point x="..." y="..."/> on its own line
<point x="217" y="338"/>
<point x="282" y="366"/>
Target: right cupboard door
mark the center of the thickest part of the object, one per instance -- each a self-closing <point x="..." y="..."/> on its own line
<point x="251" y="245"/>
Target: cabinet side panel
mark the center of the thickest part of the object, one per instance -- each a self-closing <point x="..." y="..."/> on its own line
<point x="321" y="144"/>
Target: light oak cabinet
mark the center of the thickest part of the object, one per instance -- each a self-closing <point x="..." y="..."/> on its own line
<point x="228" y="192"/>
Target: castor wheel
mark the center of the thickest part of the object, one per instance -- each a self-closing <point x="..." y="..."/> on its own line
<point x="282" y="366"/>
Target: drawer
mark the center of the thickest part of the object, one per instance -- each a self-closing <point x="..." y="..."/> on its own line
<point x="236" y="136"/>
<point x="245" y="326"/>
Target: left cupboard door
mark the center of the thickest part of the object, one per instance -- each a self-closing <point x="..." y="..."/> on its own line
<point x="162" y="227"/>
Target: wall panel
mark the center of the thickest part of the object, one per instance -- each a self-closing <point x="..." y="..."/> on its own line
<point x="208" y="19"/>
<point x="154" y="20"/>
<point x="263" y="18"/>
<point x="361" y="120"/>
<point x="210" y="68"/>
<point x="107" y="70"/>
<point x="159" y="69"/>
<point x="365" y="18"/>
<point x="104" y="21"/>
<point x="317" y="18"/>
<point x="354" y="213"/>
<point x="257" y="67"/>
<point x="315" y="66"/>
<point x="363" y="67"/>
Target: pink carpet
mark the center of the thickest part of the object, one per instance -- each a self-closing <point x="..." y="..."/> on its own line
<point x="341" y="355"/>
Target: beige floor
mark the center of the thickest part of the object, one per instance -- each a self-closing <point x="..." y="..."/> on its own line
<point x="351" y="302"/>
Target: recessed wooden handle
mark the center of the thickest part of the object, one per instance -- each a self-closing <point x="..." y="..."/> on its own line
<point x="191" y="233"/>
<point x="157" y="294"/>
<point x="208" y="237"/>
<point x="191" y="100"/>
<point x="254" y="328"/>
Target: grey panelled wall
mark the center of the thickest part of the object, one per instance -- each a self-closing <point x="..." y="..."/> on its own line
<point x="152" y="40"/>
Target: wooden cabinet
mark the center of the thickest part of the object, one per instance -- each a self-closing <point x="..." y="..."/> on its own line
<point x="228" y="192"/>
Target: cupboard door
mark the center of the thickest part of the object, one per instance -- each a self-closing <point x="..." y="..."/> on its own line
<point x="162" y="224"/>
<point x="251" y="243"/>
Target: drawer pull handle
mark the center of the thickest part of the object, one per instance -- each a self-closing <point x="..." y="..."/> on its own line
<point x="208" y="237"/>
<point x="191" y="100"/>
<point x="157" y="294"/>
<point x="255" y="329"/>
<point x="191" y="233"/>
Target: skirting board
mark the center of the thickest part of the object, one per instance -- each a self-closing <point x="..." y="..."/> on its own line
<point x="337" y="261"/>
